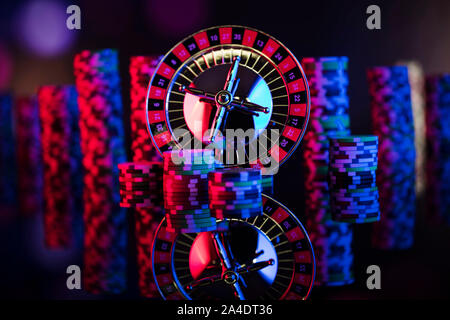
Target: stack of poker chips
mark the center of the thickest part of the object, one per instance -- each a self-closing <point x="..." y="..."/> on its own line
<point x="438" y="149"/>
<point x="267" y="184"/>
<point x="353" y="189"/>
<point x="235" y="193"/>
<point x="141" y="71"/>
<point x="418" y="100"/>
<point x="186" y="190"/>
<point x="55" y="135"/>
<point x="29" y="156"/>
<point x="76" y="165"/>
<point x="142" y="149"/>
<point x="8" y="189"/>
<point x="102" y="145"/>
<point x="392" y="122"/>
<point x="141" y="184"/>
<point x="332" y="241"/>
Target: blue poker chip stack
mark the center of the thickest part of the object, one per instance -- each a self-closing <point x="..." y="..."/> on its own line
<point x="76" y="165"/>
<point x="328" y="80"/>
<point x="392" y="122"/>
<point x="8" y="185"/>
<point x="438" y="149"/>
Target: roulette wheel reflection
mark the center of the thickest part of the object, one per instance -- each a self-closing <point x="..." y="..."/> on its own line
<point x="268" y="257"/>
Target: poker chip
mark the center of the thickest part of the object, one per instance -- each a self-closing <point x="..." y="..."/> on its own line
<point x="142" y="168"/>
<point x="230" y="196"/>
<point x="329" y="117"/>
<point x="187" y="212"/>
<point x="188" y="217"/>
<point x="245" y="197"/>
<point x="351" y="193"/>
<point x="235" y="192"/>
<point x="355" y="140"/>
<point x="351" y="180"/>
<point x="438" y="149"/>
<point x="189" y="205"/>
<point x="185" y="190"/>
<point x="194" y="229"/>
<point x="237" y="184"/>
<point x="186" y="221"/>
<point x="102" y="144"/>
<point x="392" y="122"/>
<point x="239" y="214"/>
<point x="139" y="179"/>
<point x="234" y="207"/>
<point x="236" y="175"/>
<point x="222" y="189"/>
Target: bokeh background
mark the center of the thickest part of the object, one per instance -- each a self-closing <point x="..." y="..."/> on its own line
<point x="36" y="48"/>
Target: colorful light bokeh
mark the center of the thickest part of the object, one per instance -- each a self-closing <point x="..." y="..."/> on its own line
<point x="41" y="27"/>
<point x="6" y="67"/>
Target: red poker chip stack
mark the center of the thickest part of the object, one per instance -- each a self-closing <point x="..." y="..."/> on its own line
<point x="141" y="185"/>
<point x="55" y="135"/>
<point x="146" y="219"/>
<point x="102" y="145"/>
<point x="141" y="188"/>
<point x="235" y="193"/>
<point x="29" y="156"/>
<point x="141" y="71"/>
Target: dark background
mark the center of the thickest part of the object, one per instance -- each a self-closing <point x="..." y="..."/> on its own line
<point x="411" y="30"/>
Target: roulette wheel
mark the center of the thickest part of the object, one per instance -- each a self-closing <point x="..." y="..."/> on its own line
<point x="229" y="77"/>
<point x="213" y="82"/>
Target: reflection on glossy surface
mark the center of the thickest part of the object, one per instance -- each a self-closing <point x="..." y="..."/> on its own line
<point x="245" y="245"/>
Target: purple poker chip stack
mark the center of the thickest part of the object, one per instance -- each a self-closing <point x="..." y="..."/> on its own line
<point x="29" y="156"/>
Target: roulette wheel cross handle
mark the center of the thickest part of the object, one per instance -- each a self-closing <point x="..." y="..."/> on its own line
<point x="223" y="255"/>
<point x="241" y="105"/>
<point x="223" y="99"/>
<point x="230" y="276"/>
